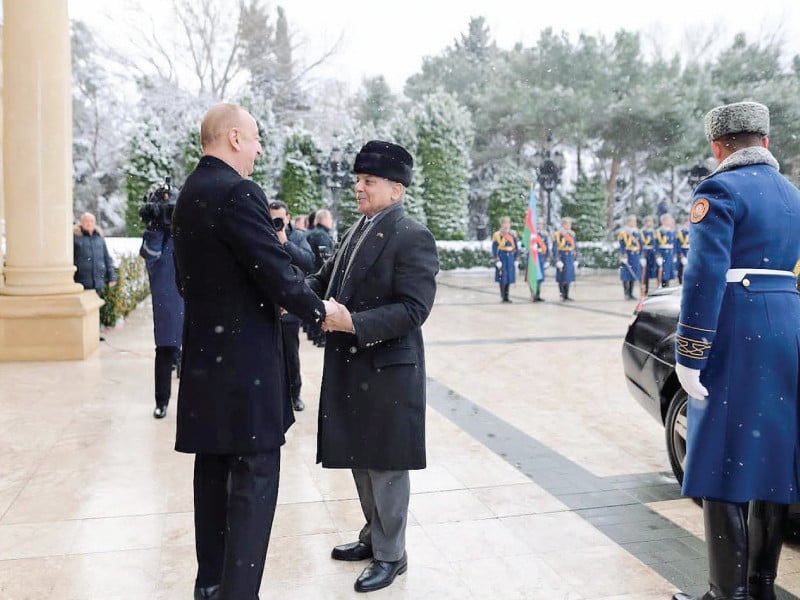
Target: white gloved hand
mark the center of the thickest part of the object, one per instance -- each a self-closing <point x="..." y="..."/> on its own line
<point x="659" y="260"/>
<point x="643" y="262"/>
<point x="623" y="260"/>
<point x="690" y="381"/>
<point x="559" y="265"/>
<point x="684" y="261"/>
<point x="498" y="264"/>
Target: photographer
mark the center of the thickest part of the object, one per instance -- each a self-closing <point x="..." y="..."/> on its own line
<point x="295" y="244"/>
<point x="157" y="251"/>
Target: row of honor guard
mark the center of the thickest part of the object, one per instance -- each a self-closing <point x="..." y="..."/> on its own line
<point x="648" y="253"/>
<point x="506" y="249"/>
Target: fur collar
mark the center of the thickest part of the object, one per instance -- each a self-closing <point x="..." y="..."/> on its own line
<point x="754" y="155"/>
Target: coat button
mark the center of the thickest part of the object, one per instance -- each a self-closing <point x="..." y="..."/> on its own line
<point x="746" y="282"/>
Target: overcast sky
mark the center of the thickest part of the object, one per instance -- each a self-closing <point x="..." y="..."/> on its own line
<point x="390" y="38"/>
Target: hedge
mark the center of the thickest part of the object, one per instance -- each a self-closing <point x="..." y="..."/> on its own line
<point x="132" y="287"/>
<point x="467" y="255"/>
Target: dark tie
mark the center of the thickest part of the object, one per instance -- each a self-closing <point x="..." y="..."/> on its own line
<point x="348" y="253"/>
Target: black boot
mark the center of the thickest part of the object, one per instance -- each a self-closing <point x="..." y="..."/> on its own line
<point x="566" y="292"/>
<point x="765" y="525"/>
<point x="727" y="547"/>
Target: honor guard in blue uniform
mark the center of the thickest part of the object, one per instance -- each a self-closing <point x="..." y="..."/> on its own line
<point x="665" y="250"/>
<point x="648" y="258"/>
<point x="630" y="252"/>
<point x="682" y="248"/>
<point x="505" y="250"/>
<point x="565" y="251"/>
<point x="543" y="245"/>
<point x="738" y="354"/>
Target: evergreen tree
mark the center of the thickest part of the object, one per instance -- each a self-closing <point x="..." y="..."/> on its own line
<point x="586" y="205"/>
<point x="509" y="197"/>
<point x="148" y="163"/>
<point x="444" y="139"/>
<point x="300" y="184"/>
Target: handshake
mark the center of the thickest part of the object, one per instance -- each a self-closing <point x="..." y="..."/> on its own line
<point x="337" y="317"/>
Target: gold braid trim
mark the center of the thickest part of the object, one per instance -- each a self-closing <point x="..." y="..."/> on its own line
<point x="692" y="348"/>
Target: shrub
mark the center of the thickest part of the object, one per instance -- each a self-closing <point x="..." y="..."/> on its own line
<point x="132" y="287"/>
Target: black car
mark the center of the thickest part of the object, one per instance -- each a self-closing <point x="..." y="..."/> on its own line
<point x="648" y="357"/>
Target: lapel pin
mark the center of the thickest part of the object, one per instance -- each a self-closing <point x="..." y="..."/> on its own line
<point x="380" y="234"/>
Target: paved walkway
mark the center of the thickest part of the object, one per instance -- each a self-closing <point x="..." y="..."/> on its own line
<point x="546" y="479"/>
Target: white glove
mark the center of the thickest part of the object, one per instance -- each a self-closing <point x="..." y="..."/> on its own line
<point x="643" y="262"/>
<point x="498" y="264"/>
<point x="623" y="260"/>
<point x="690" y="381"/>
<point x="559" y="265"/>
<point x="684" y="261"/>
<point x="659" y="260"/>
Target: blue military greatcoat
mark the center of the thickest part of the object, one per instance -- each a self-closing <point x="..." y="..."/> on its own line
<point x="565" y="250"/>
<point x="742" y="330"/>
<point x="649" y="252"/>
<point x="630" y="251"/>
<point x="505" y="249"/>
<point x="665" y="250"/>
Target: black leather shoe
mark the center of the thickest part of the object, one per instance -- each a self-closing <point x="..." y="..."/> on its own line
<point x="298" y="404"/>
<point x="160" y="412"/>
<point x="206" y="593"/>
<point x="380" y="574"/>
<point x="352" y="551"/>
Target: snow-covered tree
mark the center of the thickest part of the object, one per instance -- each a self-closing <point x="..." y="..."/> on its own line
<point x="509" y="196"/>
<point x="587" y="207"/>
<point x="444" y="138"/>
<point x="300" y="184"/>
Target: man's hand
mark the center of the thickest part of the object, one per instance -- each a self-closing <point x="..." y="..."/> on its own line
<point x="112" y="283"/>
<point x="498" y="264"/>
<point x="282" y="236"/>
<point x="623" y="260"/>
<point x="684" y="261"/>
<point x="339" y="319"/>
<point x="690" y="381"/>
<point x="659" y="260"/>
<point x="559" y="265"/>
<point x="643" y="262"/>
<point x="330" y="307"/>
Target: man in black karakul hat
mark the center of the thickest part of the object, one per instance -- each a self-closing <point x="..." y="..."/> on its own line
<point x="372" y="402"/>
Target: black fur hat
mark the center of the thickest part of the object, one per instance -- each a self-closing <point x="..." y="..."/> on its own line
<point x="385" y="159"/>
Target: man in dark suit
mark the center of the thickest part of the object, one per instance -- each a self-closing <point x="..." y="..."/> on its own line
<point x="372" y="403"/>
<point x="233" y="402"/>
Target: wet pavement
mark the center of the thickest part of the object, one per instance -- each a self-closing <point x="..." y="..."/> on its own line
<point x="546" y="479"/>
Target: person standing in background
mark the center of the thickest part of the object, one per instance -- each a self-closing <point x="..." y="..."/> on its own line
<point x="505" y="250"/>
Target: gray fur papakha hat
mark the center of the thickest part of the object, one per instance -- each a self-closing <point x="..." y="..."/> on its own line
<point x="740" y="117"/>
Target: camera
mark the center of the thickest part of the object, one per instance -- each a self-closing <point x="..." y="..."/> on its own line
<point x="278" y="223"/>
<point x="158" y="206"/>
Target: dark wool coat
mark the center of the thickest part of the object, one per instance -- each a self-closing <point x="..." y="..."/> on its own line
<point x="372" y="402"/>
<point x="157" y="250"/>
<point x="93" y="264"/>
<point x="234" y="275"/>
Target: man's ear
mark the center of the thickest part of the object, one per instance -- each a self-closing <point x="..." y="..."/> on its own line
<point x="397" y="190"/>
<point x="765" y="141"/>
<point x="716" y="150"/>
<point x="233" y="138"/>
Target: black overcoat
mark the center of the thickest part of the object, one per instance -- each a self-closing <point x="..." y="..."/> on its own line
<point x="372" y="402"/>
<point x="234" y="275"/>
<point x="157" y="250"/>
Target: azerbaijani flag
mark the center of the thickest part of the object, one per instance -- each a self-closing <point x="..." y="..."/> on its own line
<point x="534" y="273"/>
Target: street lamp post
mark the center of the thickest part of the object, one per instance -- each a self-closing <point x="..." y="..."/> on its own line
<point x="548" y="174"/>
<point x="697" y="173"/>
<point x="338" y="176"/>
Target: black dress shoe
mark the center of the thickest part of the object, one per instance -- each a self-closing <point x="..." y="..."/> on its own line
<point x="160" y="412"/>
<point x="207" y="593"/>
<point x="380" y="574"/>
<point x="298" y="404"/>
<point x="352" y="551"/>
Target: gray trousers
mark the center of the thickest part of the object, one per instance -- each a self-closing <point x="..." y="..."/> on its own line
<point x="384" y="499"/>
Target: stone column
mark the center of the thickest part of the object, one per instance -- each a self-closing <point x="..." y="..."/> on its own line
<point x="44" y="314"/>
